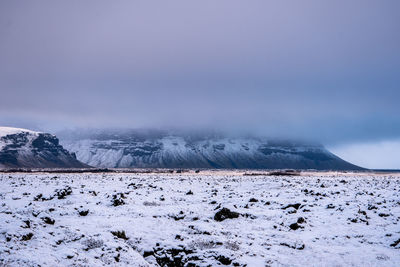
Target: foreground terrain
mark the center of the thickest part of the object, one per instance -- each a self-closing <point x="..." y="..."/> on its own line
<point x="199" y="219"/>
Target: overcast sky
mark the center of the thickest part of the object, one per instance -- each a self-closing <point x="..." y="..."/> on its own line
<point x="322" y="70"/>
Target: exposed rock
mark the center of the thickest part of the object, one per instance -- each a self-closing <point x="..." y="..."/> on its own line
<point x="294" y="226"/>
<point x="83" y="212"/>
<point x="395" y="243"/>
<point x="296" y="245"/>
<point x="48" y="220"/>
<point x="27" y="237"/>
<point x="120" y="234"/>
<point x="225" y="213"/>
<point x="118" y="199"/>
<point x="29" y="149"/>
<point x="224" y="260"/>
<point x="296" y="206"/>
<point x="300" y="220"/>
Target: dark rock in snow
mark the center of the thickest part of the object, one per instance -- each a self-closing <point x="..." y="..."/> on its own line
<point x="177" y="256"/>
<point x="27" y="224"/>
<point x="225" y="213"/>
<point x="62" y="193"/>
<point x="330" y="206"/>
<point x="298" y="246"/>
<point x="83" y="212"/>
<point x="395" y="243"/>
<point x="48" y="220"/>
<point x="120" y="234"/>
<point x="27" y="237"/>
<point x="224" y="260"/>
<point x="300" y="220"/>
<point x="294" y="226"/>
<point x="118" y="199"/>
<point x="296" y="206"/>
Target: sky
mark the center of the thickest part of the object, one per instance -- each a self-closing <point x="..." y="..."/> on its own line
<point x="327" y="71"/>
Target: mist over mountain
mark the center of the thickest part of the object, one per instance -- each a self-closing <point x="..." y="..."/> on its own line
<point x="149" y="148"/>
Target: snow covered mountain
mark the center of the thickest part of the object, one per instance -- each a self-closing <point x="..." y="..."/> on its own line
<point x="163" y="149"/>
<point x="29" y="149"/>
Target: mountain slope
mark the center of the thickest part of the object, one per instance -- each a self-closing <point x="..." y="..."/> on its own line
<point x="29" y="149"/>
<point x="156" y="149"/>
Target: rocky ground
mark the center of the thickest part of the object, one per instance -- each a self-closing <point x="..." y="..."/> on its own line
<point x="199" y="219"/>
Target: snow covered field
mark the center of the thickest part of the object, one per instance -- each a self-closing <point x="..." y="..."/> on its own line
<point x="318" y="219"/>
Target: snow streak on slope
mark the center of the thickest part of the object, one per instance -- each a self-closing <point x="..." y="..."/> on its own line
<point x="172" y="220"/>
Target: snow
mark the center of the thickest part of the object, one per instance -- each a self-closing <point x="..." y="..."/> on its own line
<point x="11" y="130"/>
<point x="349" y="219"/>
<point x="175" y="149"/>
<point x="4" y="131"/>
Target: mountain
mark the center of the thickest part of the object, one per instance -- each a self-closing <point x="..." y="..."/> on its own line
<point x="166" y="149"/>
<point x="21" y="148"/>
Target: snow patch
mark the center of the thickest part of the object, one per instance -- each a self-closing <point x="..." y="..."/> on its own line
<point x="4" y="131"/>
<point x="161" y="219"/>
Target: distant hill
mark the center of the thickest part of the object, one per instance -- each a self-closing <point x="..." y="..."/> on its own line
<point x="29" y="149"/>
<point x="166" y="149"/>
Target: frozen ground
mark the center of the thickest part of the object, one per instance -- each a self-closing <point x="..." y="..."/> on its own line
<point x="319" y="219"/>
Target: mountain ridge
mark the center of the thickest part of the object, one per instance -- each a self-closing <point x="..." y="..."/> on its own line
<point x="173" y="149"/>
<point x="29" y="149"/>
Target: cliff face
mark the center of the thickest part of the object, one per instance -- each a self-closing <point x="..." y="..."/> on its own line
<point x="176" y="150"/>
<point x="29" y="149"/>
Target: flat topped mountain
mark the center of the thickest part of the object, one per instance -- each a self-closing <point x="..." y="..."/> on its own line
<point x="162" y="149"/>
<point x="29" y="149"/>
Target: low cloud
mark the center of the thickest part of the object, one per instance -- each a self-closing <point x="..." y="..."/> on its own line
<point x="327" y="71"/>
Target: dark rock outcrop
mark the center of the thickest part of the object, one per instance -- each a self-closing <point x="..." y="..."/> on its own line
<point x="21" y="148"/>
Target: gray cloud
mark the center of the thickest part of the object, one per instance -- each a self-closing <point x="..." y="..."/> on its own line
<point x="328" y="70"/>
